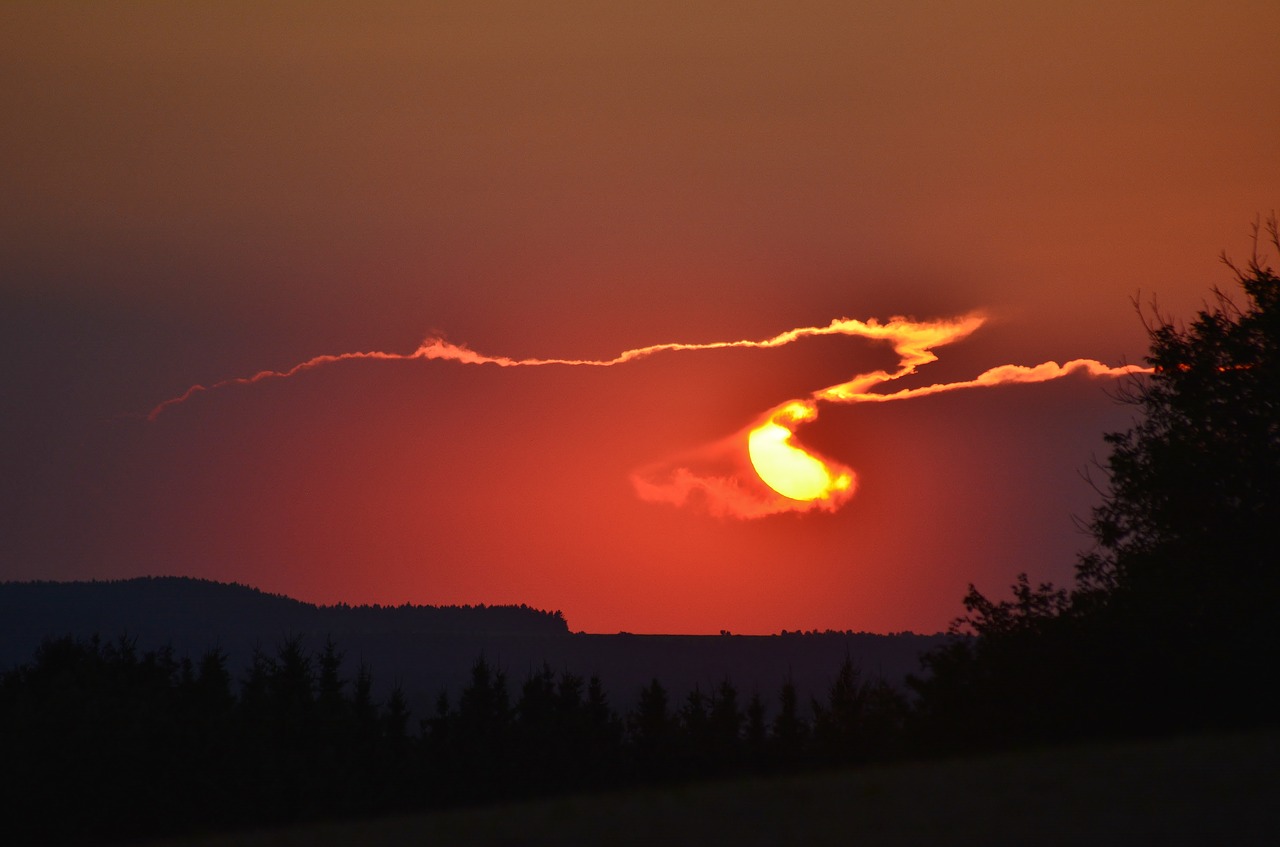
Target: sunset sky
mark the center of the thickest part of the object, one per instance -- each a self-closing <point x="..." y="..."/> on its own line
<point x="197" y="192"/>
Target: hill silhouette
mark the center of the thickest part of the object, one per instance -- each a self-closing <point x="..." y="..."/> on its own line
<point x="429" y="649"/>
<point x="185" y="609"/>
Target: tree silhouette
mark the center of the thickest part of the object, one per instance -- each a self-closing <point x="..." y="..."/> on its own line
<point x="104" y="742"/>
<point x="1197" y="480"/>
<point x="600" y="737"/>
<point x="477" y="761"/>
<point x="790" y="731"/>
<point x="860" y="721"/>
<point x="1188" y="534"/>
<point x="756" y="733"/>
<point x="724" y="727"/>
<point x="652" y="732"/>
<point x="545" y="719"/>
<point x="696" y="745"/>
<point x="1172" y="615"/>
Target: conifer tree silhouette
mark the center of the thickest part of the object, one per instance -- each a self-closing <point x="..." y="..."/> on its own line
<point x="652" y="733"/>
<point x="724" y="728"/>
<point x="789" y="731"/>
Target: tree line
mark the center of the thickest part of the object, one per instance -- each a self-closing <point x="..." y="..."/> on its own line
<point x="103" y="741"/>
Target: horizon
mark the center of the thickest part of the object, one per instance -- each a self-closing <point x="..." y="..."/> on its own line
<point x="553" y="613"/>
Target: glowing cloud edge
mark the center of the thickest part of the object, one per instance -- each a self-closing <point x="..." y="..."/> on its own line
<point x="796" y="479"/>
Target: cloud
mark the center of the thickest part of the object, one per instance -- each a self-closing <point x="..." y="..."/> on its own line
<point x="720" y="479"/>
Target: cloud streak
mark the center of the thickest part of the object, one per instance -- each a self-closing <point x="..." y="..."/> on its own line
<point x="436" y="348"/>
<point x="720" y="478"/>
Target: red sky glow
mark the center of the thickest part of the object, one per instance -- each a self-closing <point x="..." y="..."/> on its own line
<point x="641" y="221"/>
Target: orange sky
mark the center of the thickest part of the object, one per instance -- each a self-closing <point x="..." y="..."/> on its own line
<point x="192" y="195"/>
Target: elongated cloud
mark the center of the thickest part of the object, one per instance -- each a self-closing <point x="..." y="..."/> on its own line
<point x="758" y="471"/>
<point x="913" y="346"/>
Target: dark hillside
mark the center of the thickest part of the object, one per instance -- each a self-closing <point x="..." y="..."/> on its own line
<point x="202" y="611"/>
<point x="427" y="649"/>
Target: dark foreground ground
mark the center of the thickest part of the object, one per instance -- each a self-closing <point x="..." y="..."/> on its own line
<point x="1213" y="790"/>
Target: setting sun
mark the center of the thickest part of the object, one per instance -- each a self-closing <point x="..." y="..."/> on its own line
<point x="786" y="468"/>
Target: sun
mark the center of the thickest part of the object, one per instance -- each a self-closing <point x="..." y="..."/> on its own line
<point x="787" y="469"/>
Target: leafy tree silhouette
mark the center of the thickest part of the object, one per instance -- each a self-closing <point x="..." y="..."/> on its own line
<point x="1172" y="613"/>
<point x="1189" y="532"/>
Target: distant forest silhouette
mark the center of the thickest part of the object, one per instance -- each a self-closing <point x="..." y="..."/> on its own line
<point x="429" y="648"/>
<point x="1170" y="627"/>
<point x="105" y="741"/>
<point x="168" y="603"/>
